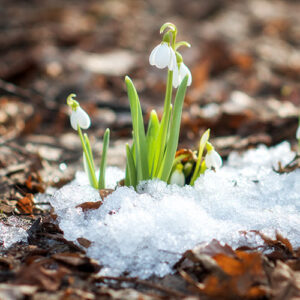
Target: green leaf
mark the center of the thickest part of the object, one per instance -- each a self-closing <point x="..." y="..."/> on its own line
<point x="87" y="170"/>
<point x="138" y="132"/>
<point x="164" y="127"/>
<point x="202" y="143"/>
<point x="89" y="150"/>
<point x="172" y="144"/>
<point x="152" y="133"/>
<point x="101" y="180"/>
<point x="130" y="168"/>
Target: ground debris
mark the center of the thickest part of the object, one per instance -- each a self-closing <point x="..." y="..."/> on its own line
<point x="219" y="272"/>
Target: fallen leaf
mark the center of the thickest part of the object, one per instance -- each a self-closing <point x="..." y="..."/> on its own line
<point x="26" y="204"/>
<point x="285" y="282"/>
<point x="44" y="273"/>
<point x="4" y="208"/>
<point x="12" y="292"/>
<point x="80" y="261"/>
<point x="84" y="242"/>
<point x="89" y="205"/>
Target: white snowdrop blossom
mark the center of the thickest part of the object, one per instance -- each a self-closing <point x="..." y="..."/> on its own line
<point x="177" y="176"/>
<point x="182" y="72"/>
<point x="79" y="117"/>
<point x="163" y="56"/>
<point x="298" y="133"/>
<point x="213" y="159"/>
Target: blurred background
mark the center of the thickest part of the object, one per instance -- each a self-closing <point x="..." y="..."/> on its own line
<point x="245" y="62"/>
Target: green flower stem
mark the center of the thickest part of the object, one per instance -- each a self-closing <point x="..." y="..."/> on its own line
<point x="101" y="181"/>
<point x="89" y="149"/>
<point x="164" y="124"/>
<point x="172" y="143"/>
<point x="89" y="162"/>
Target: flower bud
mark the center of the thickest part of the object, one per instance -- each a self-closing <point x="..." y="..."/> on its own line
<point x="177" y="176"/>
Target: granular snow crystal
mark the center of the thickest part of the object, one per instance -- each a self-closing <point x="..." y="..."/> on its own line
<point x="144" y="233"/>
<point x="12" y="232"/>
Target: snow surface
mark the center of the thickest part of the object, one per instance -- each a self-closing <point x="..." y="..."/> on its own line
<point x="12" y="232"/>
<point x="144" y="233"/>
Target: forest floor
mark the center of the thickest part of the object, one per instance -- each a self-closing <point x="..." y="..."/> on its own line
<point x="245" y="61"/>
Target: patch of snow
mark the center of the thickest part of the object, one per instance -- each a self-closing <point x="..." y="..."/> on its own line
<point x="144" y="233"/>
<point x="12" y="232"/>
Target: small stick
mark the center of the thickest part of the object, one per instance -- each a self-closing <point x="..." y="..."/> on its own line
<point x="145" y="283"/>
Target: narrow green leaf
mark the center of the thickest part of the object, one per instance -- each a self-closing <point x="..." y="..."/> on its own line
<point x="86" y="169"/>
<point x="130" y="168"/>
<point x="172" y="144"/>
<point x="152" y="133"/>
<point x="138" y="132"/>
<point x="89" y="150"/>
<point x="163" y="131"/>
<point x="101" y="180"/>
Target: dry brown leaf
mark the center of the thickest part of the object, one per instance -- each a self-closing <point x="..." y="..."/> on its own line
<point x="26" y="204"/>
<point x="84" y="242"/>
<point x="81" y="262"/>
<point x="86" y="206"/>
<point x="285" y="282"/>
<point x="44" y="273"/>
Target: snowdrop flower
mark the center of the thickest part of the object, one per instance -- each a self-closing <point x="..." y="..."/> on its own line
<point x="298" y="133"/>
<point x="180" y="74"/>
<point x="78" y="116"/>
<point x="177" y="176"/>
<point x="163" y="56"/>
<point x="213" y="159"/>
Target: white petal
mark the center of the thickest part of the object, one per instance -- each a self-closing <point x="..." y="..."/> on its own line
<point x="73" y="120"/>
<point x="162" y="56"/>
<point x="176" y="77"/>
<point x="178" y="178"/>
<point x="83" y="118"/>
<point x="173" y="61"/>
<point x="213" y="160"/>
<point x="298" y="133"/>
<point x="184" y="70"/>
<point x="152" y="56"/>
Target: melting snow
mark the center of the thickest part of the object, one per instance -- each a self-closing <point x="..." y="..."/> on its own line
<point x="144" y="233"/>
<point x="12" y="232"/>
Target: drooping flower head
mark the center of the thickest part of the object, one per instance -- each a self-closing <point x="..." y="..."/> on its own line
<point x="177" y="176"/>
<point x="163" y="56"/>
<point x="180" y="74"/>
<point x="212" y="158"/>
<point x="78" y="116"/>
<point x="166" y="55"/>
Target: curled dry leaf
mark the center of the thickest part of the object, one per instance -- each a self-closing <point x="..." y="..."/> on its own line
<point x="227" y="274"/>
<point x="81" y="262"/>
<point x="85" y="206"/>
<point x="44" y="273"/>
<point x="84" y="242"/>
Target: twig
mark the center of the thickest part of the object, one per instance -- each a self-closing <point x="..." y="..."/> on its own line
<point x="143" y="282"/>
